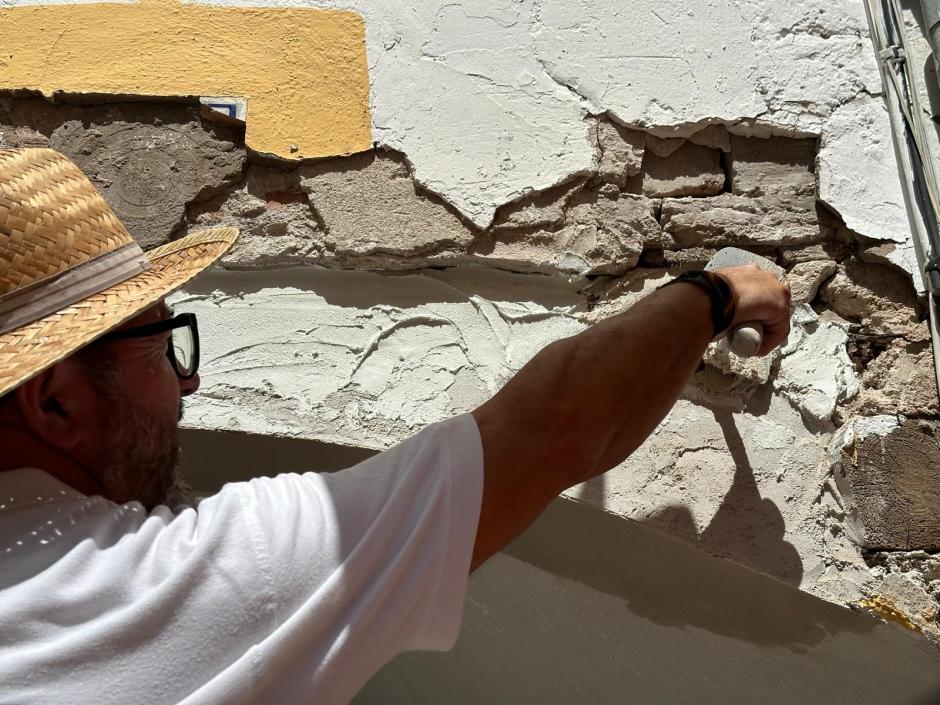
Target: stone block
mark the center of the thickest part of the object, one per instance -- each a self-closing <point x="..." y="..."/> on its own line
<point x="600" y="235"/>
<point x="713" y="137"/>
<point x="777" y="166"/>
<point x="276" y="223"/>
<point x="736" y="220"/>
<point x="373" y="214"/>
<point x="887" y="469"/>
<point x="836" y="251"/>
<point x="621" y="152"/>
<point x="149" y="173"/>
<point x="691" y="170"/>
<point x="663" y="147"/>
<point x="901" y="380"/>
<point x="20" y="136"/>
<point x="879" y="297"/>
<point x="689" y="258"/>
<point x="806" y="277"/>
<point x="543" y="209"/>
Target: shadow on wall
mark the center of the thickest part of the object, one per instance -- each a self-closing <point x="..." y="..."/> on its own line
<point x="674" y="584"/>
<point x="587" y="607"/>
<point x="747" y="528"/>
<point x="211" y="459"/>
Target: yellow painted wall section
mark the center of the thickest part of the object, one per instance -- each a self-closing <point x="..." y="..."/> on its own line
<point x="302" y="71"/>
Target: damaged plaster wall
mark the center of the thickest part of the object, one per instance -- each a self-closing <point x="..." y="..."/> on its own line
<point x="541" y="166"/>
<point x="507" y="90"/>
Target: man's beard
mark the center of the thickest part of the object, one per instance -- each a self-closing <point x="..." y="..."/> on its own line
<point x="141" y="459"/>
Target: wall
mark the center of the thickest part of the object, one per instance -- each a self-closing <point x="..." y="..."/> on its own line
<point x="646" y="619"/>
<point x="535" y="167"/>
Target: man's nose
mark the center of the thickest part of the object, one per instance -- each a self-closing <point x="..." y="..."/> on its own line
<point x="188" y="386"/>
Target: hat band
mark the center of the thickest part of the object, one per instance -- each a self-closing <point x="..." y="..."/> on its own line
<point x="23" y="306"/>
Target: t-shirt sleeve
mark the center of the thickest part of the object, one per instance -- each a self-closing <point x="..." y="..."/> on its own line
<point x="360" y="565"/>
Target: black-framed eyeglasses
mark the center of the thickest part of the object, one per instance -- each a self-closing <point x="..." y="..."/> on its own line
<point x="182" y="347"/>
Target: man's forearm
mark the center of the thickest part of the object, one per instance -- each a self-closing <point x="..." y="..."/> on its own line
<point x="584" y="403"/>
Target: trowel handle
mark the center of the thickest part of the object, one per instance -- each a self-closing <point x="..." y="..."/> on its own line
<point x="745" y="340"/>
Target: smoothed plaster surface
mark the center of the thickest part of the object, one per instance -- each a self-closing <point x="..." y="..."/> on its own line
<point x="303" y="71"/>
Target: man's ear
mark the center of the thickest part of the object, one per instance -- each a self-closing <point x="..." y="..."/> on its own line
<point x="54" y="404"/>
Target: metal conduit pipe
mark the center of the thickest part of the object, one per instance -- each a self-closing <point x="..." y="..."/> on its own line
<point x="930" y="9"/>
<point x="917" y="171"/>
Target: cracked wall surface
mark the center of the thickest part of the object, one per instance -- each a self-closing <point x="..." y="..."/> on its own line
<point x="540" y="166"/>
<point x="508" y="89"/>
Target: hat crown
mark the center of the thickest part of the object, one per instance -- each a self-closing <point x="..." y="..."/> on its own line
<point x="52" y="219"/>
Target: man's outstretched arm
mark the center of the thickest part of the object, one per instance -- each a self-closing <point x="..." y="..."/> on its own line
<point x="583" y="404"/>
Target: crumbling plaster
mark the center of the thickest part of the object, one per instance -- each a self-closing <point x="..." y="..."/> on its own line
<point x="506" y="87"/>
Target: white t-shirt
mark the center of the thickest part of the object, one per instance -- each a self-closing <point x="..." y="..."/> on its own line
<point x="294" y="589"/>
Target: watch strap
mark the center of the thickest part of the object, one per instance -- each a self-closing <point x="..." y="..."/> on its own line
<point x="719" y="293"/>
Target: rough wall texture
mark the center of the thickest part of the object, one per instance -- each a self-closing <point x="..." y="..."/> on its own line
<point x="531" y="177"/>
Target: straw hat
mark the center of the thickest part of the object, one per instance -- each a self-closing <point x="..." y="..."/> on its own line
<point x="69" y="271"/>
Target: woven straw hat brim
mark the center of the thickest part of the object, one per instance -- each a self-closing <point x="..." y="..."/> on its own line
<point x="28" y="350"/>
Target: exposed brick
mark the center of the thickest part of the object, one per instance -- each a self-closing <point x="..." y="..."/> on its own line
<point x="600" y="235"/>
<point x="777" y="166"/>
<point x="278" y="227"/>
<point x="901" y="380"/>
<point x="806" y="277"/>
<point x="621" y="152"/>
<point x="736" y="220"/>
<point x="713" y="137"/>
<point x="879" y="297"/>
<point x="692" y="170"/>
<point x="370" y="207"/>
<point x="543" y="209"/>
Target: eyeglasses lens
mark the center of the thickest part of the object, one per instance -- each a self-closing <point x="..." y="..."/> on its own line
<point x="184" y="349"/>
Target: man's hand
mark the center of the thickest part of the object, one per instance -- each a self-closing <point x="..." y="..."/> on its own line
<point x="760" y="296"/>
<point x="583" y="404"/>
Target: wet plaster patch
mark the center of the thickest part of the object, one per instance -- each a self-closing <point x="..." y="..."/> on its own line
<point x="816" y="373"/>
<point x="363" y="359"/>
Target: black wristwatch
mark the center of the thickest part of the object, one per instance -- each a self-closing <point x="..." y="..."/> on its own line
<point x="719" y="293"/>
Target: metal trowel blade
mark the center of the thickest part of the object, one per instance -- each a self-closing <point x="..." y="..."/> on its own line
<point x="735" y="257"/>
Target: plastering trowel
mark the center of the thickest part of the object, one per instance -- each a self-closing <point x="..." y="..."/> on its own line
<point x="745" y="340"/>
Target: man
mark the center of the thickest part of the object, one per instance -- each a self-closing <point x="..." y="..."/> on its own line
<point x="282" y="590"/>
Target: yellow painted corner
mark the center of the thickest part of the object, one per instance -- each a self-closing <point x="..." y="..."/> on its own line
<point x="302" y="71"/>
<point x="888" y="611"/>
